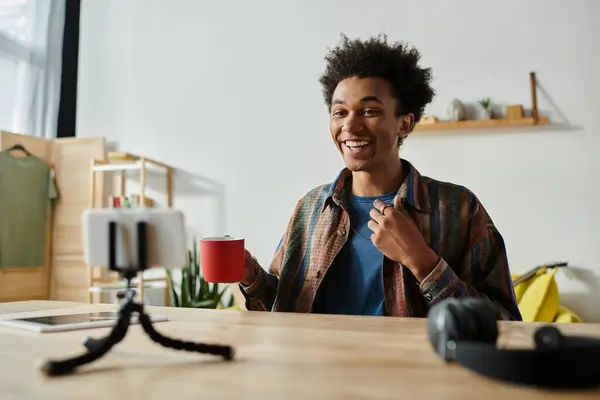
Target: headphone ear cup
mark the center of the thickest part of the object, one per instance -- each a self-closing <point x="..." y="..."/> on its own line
<point x="443" y="326"/>
<point x="468" y="324"/>
<point x="464" y="319"/>
<point x="549" y="338"/>
<point x="485" y="318"/>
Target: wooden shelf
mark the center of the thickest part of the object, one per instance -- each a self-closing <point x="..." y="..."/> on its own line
<point x="113" y="166"/>
<point x="480" y="124"/>
<point x="123" y="157"/>
<point x="488" y="124"/>
<point x="119" y="161"/>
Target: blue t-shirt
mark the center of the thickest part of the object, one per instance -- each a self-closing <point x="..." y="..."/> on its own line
<point x="354" y="282"/>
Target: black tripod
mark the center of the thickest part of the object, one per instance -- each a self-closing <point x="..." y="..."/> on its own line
<point x="96" y="348"/>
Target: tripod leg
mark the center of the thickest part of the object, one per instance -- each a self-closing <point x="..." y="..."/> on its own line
<point x="93" y="344"/>
<point x="226" y="352"/>
<point x="97" y="349"/>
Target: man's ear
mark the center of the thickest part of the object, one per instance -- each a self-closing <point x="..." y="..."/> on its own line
<point x="406" y="125"/>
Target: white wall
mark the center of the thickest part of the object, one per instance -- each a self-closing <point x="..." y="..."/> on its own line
<point x="227" y="92"/>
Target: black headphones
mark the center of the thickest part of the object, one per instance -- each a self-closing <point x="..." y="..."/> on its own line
<point x="465" y="331"/>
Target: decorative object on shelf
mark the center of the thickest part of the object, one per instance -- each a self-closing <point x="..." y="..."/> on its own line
<point x="129" y="201"/>
<point x="456" y="110"/>
<point x="514" y="111"/>
<point x="486" y="107"/>
<point x="511" y="120"/>
<point x="428" y="119"/>
<point x="194" y="291"/>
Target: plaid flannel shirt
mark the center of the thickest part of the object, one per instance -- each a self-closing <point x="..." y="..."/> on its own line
<point x="455" y="225"/>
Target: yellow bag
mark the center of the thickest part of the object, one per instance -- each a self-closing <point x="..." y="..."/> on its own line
<point x="538" y="297"/>
<point x="566" y="316"/>
<point x="522" y="282"/>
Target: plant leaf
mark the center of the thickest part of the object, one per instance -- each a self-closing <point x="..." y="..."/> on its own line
<point x="205" y="304"/>
<point x="171" y="283"/>
<point x="217" y="298"/>
<point x="193" y="283"/>
<point x="204" y="289"/>
<point x="185" y="295"/>
<point x="196" y="263"/>
<point x="190" y="284"/>
<point x="195" y="268"/>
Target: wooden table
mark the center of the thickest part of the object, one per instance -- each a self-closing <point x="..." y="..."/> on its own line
<point x="279" y="356"/>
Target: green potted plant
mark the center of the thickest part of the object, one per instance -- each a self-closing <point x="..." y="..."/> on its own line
<point x="486" y="105"/>
<point x="193" y="291"/>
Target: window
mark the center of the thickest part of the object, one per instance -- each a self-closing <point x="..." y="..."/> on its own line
<point x="12" y="35"/>
<point x="31" y="34"/>
<point x="8" y="74"/>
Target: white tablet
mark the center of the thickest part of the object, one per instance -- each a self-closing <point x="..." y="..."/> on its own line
<point x="71" y="322"/>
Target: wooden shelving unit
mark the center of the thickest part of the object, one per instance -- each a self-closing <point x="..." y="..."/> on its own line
<point x="120" y="163"/>
<point x="487" y="124"/>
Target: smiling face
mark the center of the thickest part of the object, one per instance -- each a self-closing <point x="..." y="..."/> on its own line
<point x="364" y="124"/>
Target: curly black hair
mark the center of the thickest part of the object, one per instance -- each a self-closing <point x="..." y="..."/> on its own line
<point x="397" y="63"/>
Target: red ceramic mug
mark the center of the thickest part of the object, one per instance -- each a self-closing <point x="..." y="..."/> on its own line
<point x="222" y="259"/>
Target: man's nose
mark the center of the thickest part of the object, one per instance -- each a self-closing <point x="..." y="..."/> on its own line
<point x="353" y="124"/>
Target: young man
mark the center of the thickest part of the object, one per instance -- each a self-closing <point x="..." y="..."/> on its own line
<point x="381" y="239"/>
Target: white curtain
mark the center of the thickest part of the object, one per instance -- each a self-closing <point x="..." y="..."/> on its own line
<point x="31" y="35"/>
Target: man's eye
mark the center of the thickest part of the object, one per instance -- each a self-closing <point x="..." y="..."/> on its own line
<point x="338" y="113"/>
<point x="369" y="112"/>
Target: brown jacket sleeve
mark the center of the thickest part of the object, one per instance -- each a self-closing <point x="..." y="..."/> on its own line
<point x="260" y="295"/>
<point x="482" y="272"/>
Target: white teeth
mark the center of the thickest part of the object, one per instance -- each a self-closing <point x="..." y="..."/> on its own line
<point x="356" y="143"/>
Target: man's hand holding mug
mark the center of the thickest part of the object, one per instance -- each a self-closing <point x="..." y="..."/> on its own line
<point x="250" y="265"/>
